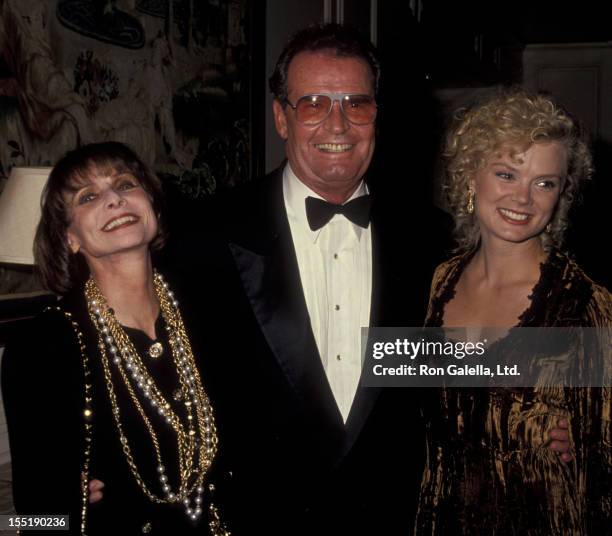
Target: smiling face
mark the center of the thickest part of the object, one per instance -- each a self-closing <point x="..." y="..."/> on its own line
<point x="331" y="157"/>
<point x="515" y="197"/>
<point x="109" y="214"/>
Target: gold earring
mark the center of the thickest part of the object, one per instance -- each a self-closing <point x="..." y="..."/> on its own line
<point x="470" y="201"/>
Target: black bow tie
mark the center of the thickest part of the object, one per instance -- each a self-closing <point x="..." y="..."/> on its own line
<point x="319" y="212"/>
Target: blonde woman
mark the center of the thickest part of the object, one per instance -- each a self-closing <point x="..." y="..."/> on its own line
<point x="515" y="163"/>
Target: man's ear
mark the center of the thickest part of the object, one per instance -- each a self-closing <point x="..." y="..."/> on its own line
<point x="280" y="119"/>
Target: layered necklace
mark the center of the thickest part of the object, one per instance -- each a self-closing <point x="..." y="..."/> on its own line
<point x="193" y="425"/>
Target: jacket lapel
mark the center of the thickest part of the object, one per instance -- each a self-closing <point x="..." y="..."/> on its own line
<point x="267" y="265"/>
<point x="402" y="265"/>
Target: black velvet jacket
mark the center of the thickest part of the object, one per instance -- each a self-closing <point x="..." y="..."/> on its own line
<point x="43" y="383"/>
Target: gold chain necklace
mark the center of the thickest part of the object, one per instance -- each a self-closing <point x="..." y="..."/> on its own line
<point x="195" y="432"/>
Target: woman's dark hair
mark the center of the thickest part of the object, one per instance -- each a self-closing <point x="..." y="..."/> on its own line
<point x="59" y="268"/>
<point x="342" y="41"/>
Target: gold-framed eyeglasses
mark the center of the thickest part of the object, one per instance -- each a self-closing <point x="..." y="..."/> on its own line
<point x="314" y="109"/>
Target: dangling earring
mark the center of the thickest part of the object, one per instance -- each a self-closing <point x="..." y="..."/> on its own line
<point x="72" y="248"/>
<point x="548" y="228"/>
<point x="470" y="201"/>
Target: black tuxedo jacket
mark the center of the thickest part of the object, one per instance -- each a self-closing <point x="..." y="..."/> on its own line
<point x="296" y="467"/>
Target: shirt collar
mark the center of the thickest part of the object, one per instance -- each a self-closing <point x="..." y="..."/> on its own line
<point x="295" y="193"/>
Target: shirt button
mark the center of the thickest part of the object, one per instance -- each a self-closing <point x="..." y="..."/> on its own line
<point x="337" y="307"/>
<point x="338" y="357"/>
<point x="335" y="255"/>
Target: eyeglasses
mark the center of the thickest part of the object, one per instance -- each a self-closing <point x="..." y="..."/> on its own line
<point x="314" y="109"/>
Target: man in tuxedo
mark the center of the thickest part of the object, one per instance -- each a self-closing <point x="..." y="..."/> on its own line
<point x="311" y="256"/>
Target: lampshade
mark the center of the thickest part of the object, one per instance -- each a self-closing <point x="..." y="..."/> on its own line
<point x="20" y="213"/>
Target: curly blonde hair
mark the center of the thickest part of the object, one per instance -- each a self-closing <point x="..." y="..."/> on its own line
<point x="514" y="119"/>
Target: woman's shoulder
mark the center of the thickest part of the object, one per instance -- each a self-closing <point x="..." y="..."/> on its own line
<point x="68" y="314"/>
<point x="49" y="337"/>
<point x="571" y="269"/>
<point x="443" y="284"/>
<point x="578" y="287"/>
<point x="447" y="268"/>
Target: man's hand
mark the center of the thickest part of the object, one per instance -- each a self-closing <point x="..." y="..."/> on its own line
<point x="559" y="441"/>
<point x="95" y="490"/>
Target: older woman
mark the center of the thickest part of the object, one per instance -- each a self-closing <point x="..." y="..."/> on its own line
<point x="106" y="382"/>
<point x="515" y="164"/>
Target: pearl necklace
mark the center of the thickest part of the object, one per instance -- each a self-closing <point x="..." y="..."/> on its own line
<point x="195" y="434"/>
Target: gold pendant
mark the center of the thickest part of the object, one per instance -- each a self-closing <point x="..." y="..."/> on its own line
<point x="156" y="350"/>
